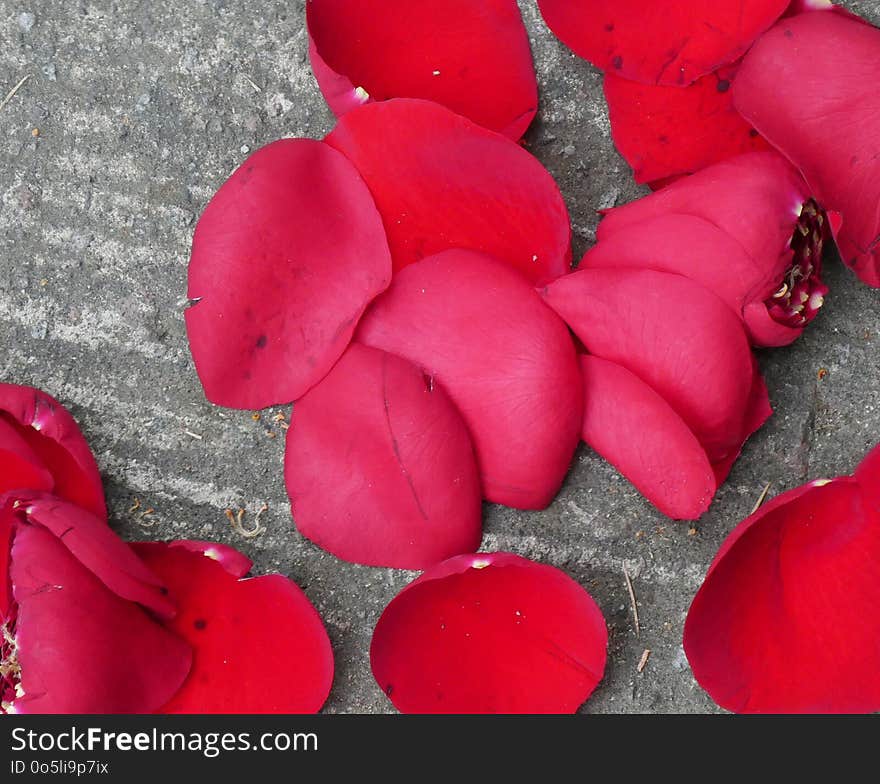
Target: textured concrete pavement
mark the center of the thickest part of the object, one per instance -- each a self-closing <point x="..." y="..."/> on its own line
<point x="133" y="114"/>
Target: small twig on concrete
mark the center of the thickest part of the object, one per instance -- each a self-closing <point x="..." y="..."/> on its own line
<point x="643" y="662"/>
<point x="632" y="600"/>
<point x="11" y="94"/>
<point x="761" y="499"/>
<point x="193" y="435"/>
<point x="135" y="506"/>
<point x="237" y="523"/>
<point x="252" y="83"/>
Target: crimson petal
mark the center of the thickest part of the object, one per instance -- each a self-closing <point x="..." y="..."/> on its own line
<point x="441" y="182"/>
<point x="666" y="132"/>
<point x="490" y="633"/>
<point x="673" y="42"/>
<point x="54" y="437"/>
<point x="285" y="259"/>
<point x="809" y="86"/>
<point x="785" y="621"/>
<point x="379" y="465"/>
<point x="400" y="49"/>
<point x="508" y="363"/>
<point x="20" y="467"/>
<point x="259" y="646"/>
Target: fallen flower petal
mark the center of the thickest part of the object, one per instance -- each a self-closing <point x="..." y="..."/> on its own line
<point x="379" y="465"/>
<point x="471" y="57"/>
<point x="441" y="182"/>
<point x="673" y="43"/>
<point x="838" y="58"/>
<point x="667" y="132"/>
<point x="490" y="633"/>
<point x="75" y="634"/>
<point x="55" y="439"/>
<point x="20" y="467"/>
<point x="509" y="364"/>
<point x="784" y="622"/>
<point x="285" y="259"/>
<point x="259" y="646"/>
<point x="638" y="432"/>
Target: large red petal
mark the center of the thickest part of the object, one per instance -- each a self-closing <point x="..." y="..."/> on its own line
<point x="665" y="132"/>
<point x="672" y="42"/>
<point x="20" y="466"/>
<point x="81" y="647"/>
<point x="676" y="336"/>
<point x="379" y="465"/>
<point x="637" y="431"/>
<point x="756" y="198"/>
<point x="96" y="547"/>
<point x="490" y="633"/>
<point x="285" y="258"/>
<point x="259" y="644"/>
<point x="810" y="86"/>
<point x="471" y="57"/>
<point x="506" y="360"/>
<point x="442" y="182"/>
<point x="785" y="621"/>
<point x="52" y="433"/>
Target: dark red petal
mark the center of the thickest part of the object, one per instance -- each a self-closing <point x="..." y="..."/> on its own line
<point x="490" y="633"/>
<point x="442" y="182"/>
<point x="796" y="84"/>
<point x="52" y="433"/>
<point x="234" y="562"/>
<point x="756" y="198"/>
<point x="285" y="258"/>
<point x="785" y="621"/>
<point x="671" y="43"/>
<point x="665" y="132"/>
<point x="259" y="644"/>
<point x="471" y="57"/>
<point x="96" y="547"/>
<point x="83" y="648"/>
<point x="20" y="466"/>
<point x="635" y="429"/>
<point x="674" y="335"/>
<point x="508" y="363"/>
<point x="379" y="465"/>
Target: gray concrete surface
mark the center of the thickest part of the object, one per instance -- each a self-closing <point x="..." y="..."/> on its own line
<point x="133" y="115"/>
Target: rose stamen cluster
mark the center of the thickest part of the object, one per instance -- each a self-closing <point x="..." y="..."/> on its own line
<point x="10" y="669"/>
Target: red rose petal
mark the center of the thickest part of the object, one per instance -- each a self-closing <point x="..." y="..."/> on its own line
<point x="674" y="335"/>
<point x="637" y="431"/>
<point x="654" y="42"/>
<point x="665" y="132"/>
<point x="471" y="57"/>
<point x="379" y="465"/>
<point x="53" y="435"/>
<point x="285" y="258"/>
<point x="796" y="84"/>
<point x="506" y="360"/>
<point x="490" y="633"/>
<point x="868" y="477"/>
<point x="81" y="647"/>
<point x="20" y="467"/>
<point x="259" y="644"/>
<point x="442" y="182"/>
<point x="234" y="562"/>
<point x="785" y="621"/>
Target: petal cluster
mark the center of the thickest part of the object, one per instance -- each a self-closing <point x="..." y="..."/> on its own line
<point x="785" y="621"/>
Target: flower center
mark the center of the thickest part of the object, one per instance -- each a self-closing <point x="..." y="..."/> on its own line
<point x="802" y="292"/>
<point x="10" y="670"/>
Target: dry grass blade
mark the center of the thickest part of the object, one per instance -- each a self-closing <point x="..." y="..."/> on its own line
<point x="761" y="499"/>
<point x="632" y="601"/>
<point x="11" y="94"/>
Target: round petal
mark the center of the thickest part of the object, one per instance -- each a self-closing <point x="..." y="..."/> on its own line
<point x="379" y="465"/>
<point x="795" y="85"/>
<point x="508" y="363"/>
<point x="442" y="182"/>
<point x="285" y="259"/>
<point x="53" y="435"/>
<point x="637" y="431"/>
<point x="81" y="647"/>
<point x="490" y="633"/>
<point x="785" y="621"/>
<point x="674" y="335"/>
<point x="400" y="49"/>
<point x="259" y="646"/>
<point x="665" y="132"/>
<point x="670" y="42"/>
